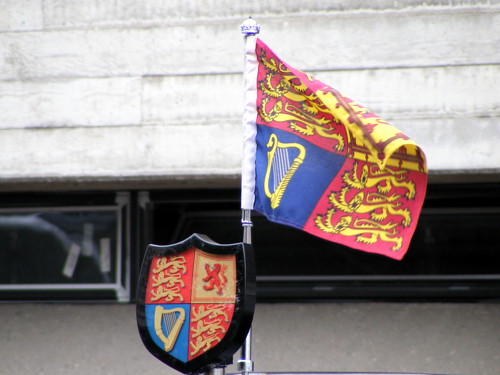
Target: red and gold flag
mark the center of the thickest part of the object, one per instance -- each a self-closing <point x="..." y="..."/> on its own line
<point x="320" y="162"/>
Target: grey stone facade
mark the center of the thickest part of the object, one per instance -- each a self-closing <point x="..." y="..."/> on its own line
<point x="151" y="91"/>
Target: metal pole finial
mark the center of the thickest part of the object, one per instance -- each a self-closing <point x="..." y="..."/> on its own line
<point x="250" y="27"/>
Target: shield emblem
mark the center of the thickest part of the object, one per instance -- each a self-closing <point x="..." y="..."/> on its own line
<point x="195" y="302"/>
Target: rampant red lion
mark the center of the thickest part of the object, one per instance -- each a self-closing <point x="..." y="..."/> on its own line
<point x="215" y="277"/>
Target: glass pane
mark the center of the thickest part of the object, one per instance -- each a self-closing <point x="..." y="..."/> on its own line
<point x="58" y="247"/>
<point x="446" y="242"/>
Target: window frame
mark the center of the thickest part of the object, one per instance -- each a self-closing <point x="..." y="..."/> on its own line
<point x="119" y="288"/>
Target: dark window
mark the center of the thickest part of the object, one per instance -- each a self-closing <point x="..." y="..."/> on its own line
<point x="453" y="254"/>
<point x="54" y="248"/>
<point x="83" y="245"/>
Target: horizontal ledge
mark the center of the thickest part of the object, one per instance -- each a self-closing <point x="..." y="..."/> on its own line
<point x="454" y="38"/>
<point x="238" y="71"/>
<point x="87" y="183"/>
<point x="56" y="16"/>
<point x="186" y="181"/>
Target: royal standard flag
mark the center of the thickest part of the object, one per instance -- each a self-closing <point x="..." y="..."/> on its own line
<point x="320" y="162"/>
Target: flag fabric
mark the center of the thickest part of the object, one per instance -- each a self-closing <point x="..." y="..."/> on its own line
<point x="317" y="161"/>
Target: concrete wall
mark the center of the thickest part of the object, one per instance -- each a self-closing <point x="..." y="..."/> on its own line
<point x="152" y="91"/>
<point x="421" y="338"/>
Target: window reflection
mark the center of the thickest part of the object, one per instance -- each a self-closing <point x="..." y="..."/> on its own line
<point x="57" y="247"/>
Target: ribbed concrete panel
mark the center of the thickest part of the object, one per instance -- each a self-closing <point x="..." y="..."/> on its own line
<point x="422" y="92"/>
<point x="353" y="41"/>
<point x="439" y="92"/>
<point x="457" y="145"/>
<point x="193" y="99"/>
<point x="391" y="93"/>
<point x="204" y="150"/>
<point x="119" y="52"/>
<point x="91" y="13"/>
<point x="386" y="40"/>
<point x="70" y="102"/>
<point x="139" y="83"/>
<point x="205" y="124"/>
<point x="28" y="16"/>
<point x="120" y="151"/>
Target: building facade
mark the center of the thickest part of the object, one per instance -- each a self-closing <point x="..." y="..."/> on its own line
<point x="120" y="125"/>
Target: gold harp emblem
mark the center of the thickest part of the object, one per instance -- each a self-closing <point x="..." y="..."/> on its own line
<point x="281" y="166"/>
<point x="168" y="324"/>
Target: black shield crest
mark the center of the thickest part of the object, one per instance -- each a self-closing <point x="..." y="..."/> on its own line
<point x="195" y="302"/>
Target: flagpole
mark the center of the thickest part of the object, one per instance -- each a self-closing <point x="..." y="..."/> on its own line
<point x="249" y="29"/>
<point x="245" y="363"/>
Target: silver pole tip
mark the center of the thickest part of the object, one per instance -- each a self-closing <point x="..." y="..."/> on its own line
<point x="250" y="27"/>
